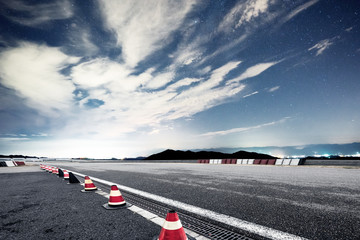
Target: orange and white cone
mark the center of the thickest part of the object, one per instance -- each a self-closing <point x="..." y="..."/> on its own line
<point x="54" y="170"/>
<point x="66" y="175"/>
<point x="172" y="228"/>
<point x="116" y="200"/>
<point x="89" y="185"/>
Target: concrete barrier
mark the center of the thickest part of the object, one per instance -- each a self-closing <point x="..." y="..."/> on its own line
<point x="295" y="162"/>
<point x="286" y="161"/>
<point x="279" y="161"/>
<point x="271" y="162"/>
<point x="3" y="164"/>
<point x="250" y="161"/>
<point x="264" y="161"/>
<point x="257" y="161"/>
<point x="10" y="163"/>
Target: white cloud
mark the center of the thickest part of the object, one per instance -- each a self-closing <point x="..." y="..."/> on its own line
<point x="142" y="27"/>
<point x="134" y="101"/>
<point x="253" y="71"/>
<point x="298" y="10"/>
<point x="243" y="12"/>
<point x="273" y="89"/>
<point x="182" y="83"/>
<point x="100" y="71"/>
<point x="243" y="129"/>
<point x="34" y="15"/>
<point x="321" y="46"/>
<point x="80" y="39"/>
<point x="251" y="94"/>
<point x="33" y="71"/>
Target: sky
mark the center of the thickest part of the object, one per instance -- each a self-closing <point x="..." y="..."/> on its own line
<point x="125" y="78"/>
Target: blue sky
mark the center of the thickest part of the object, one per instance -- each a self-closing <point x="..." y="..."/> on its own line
<point x="128" y="78"/>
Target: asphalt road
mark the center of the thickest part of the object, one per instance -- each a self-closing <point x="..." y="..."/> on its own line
<point x="311" y="202"/>
<point x="39" y="205"/>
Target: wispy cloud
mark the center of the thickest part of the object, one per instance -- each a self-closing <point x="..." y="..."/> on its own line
<point x="243" y="12"/>
<point x="298" y="10"/>
<point x="243" y="129"/>
<point x="253" y="71"/>
<point x="273" y="89"/>
<point x="251" y="94"/>
<point x="34" y="15"/>
<point x="142" y="27"/>
<point x="321" y="46"/>
<point x="39" y="82"/>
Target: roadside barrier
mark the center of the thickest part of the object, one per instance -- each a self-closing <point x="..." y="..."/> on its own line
<point x="20" y="163"/>
<point x="271" y="162"/>
<point x="116" y="200"/>
<point x="10" y="163"/>
<point x="264" y="161"/>
<point x="286" y="161"/>
<point x="89" y="185"/>
<point x="3" y="164"/>
<point x="172" y="228"/>
<point x="279" y="161"/>
<point x="256" y="161"/>
<point x="295" y="162"/>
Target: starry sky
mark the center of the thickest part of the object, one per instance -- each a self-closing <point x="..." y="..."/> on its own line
<point x="127" y="78"/>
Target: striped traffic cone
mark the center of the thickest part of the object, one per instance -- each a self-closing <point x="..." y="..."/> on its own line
<point x="89" y="185"/>
<point x="116" y="200"/>
<point x="54" y="170"/>
<point x="66" y="175"/>
<point x="172" y="228"/>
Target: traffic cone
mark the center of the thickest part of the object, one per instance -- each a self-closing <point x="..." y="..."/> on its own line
<point x="72" y="178"/>
<point x="50" y="169"/>
<point x="66" y="175"/>
<point x="54" y="170"/>
<point x="116" y="200"/>
<point x="57" y="171"/>
<point x="172" y="228"/>
<point x="89" y="185"/>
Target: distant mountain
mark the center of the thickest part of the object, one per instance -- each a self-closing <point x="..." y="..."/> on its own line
<point x="306" y="150"/>
<point x="186" y="155"/>
<point x="16" y="156"/>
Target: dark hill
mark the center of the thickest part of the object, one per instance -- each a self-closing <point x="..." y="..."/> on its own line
<point x="187" y="155"/>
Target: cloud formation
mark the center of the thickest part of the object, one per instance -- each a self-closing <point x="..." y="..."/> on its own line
<point x="321" y="46"/>
<point x="243" y="129"/>
<point x="33" y="71"/>
<point x="142" y="27"/>
<point x="34" y="15"/>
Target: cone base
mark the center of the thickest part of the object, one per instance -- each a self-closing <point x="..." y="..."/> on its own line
<point x="187" y="235"/>
<point x="92" y="190"/>
<point x="108" y="207"/>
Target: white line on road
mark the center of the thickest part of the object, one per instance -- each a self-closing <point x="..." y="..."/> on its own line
<point x="231" y="221"/>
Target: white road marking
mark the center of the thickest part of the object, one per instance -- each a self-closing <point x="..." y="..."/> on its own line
<point x="231" y="221"/>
